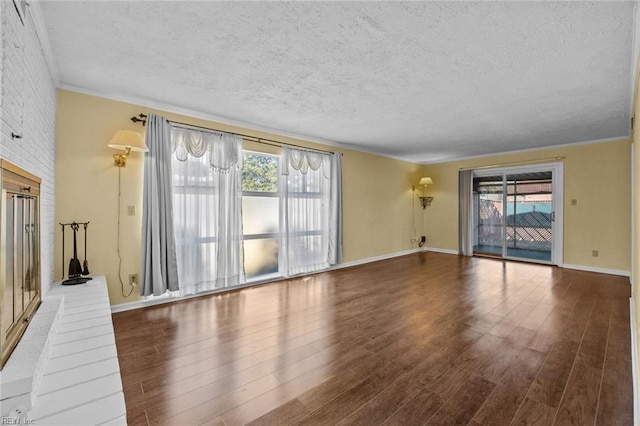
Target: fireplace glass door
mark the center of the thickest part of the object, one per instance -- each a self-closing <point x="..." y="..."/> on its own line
<point x="19" y="247"/>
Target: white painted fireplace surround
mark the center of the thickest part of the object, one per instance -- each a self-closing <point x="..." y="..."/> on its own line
<point x="65" y="370"/>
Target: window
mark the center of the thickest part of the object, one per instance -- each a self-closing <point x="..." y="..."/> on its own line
<point x="260" y="214"/>
<point x="268" y="197"/>
<point x="238" y="218"/>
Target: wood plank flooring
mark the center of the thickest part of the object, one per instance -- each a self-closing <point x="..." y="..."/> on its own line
<point x="422" y="339"/>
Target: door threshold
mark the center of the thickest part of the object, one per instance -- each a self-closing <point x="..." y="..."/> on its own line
<point x="487" y="254"/>
<point x="512" y="259"/>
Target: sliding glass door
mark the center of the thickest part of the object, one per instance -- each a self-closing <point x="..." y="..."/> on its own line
<point x="529" y="216"/>
<point x="488" y="215"/>
<point x="514" y="212"/>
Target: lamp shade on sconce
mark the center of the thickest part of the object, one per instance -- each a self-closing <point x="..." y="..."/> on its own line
<point x="128" y="140"/>
<point x="425" y="201"/>
<point x="426" y="181"/>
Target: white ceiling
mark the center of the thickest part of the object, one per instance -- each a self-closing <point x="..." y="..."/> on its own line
<point x="422" y="81"/>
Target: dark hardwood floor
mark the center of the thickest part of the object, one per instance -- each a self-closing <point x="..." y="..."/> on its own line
<point x="421" y="339"/>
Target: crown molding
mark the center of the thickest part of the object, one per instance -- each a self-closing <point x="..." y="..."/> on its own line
<point x="149" y="103"/>
<point x="520" y="151"/>
<point x="43" y="36"/>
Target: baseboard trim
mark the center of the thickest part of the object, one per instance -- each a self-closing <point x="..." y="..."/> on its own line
<point x="375" y="259"/>
<point x="168" y="299"/>
<point x="441" y="250"/>
<point x="634" y="362"/>
<point x="598" y="270"/>
<point x="141" y="303"/>
<point x="145" y="303"/>
<point x="122" y="307"/>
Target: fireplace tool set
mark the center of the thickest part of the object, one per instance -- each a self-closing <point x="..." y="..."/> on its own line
<point x="77" y="272"/>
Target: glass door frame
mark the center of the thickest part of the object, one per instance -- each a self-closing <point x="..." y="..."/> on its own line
<point x="557" y="224"/>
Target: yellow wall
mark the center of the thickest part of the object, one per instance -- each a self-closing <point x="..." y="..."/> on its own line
<point x="598" y="175"/>
<point x="377" y="190"/>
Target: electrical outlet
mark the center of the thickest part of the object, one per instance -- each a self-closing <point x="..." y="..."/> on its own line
<point x="423" y="239"/>
<point x="133" y="280"/>
<point x="595" y="253"/>
<point x="131" y="210"/>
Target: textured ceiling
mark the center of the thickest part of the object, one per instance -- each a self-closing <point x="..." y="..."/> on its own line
<point x="422" y="81"/>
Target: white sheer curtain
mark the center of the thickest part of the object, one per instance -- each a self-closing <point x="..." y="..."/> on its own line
<point x="207" y="203"/>
<point x="311" y="216"/>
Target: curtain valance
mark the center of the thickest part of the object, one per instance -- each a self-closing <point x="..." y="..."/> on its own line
<point x="224" y="149"/>
<point x="302" y="161"/>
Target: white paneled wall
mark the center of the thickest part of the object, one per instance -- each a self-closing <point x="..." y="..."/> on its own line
<point x="29" y="109"/>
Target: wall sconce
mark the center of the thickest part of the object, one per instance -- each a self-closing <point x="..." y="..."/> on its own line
<point x="425" y="201"/>
<point x="128" y="141"/>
